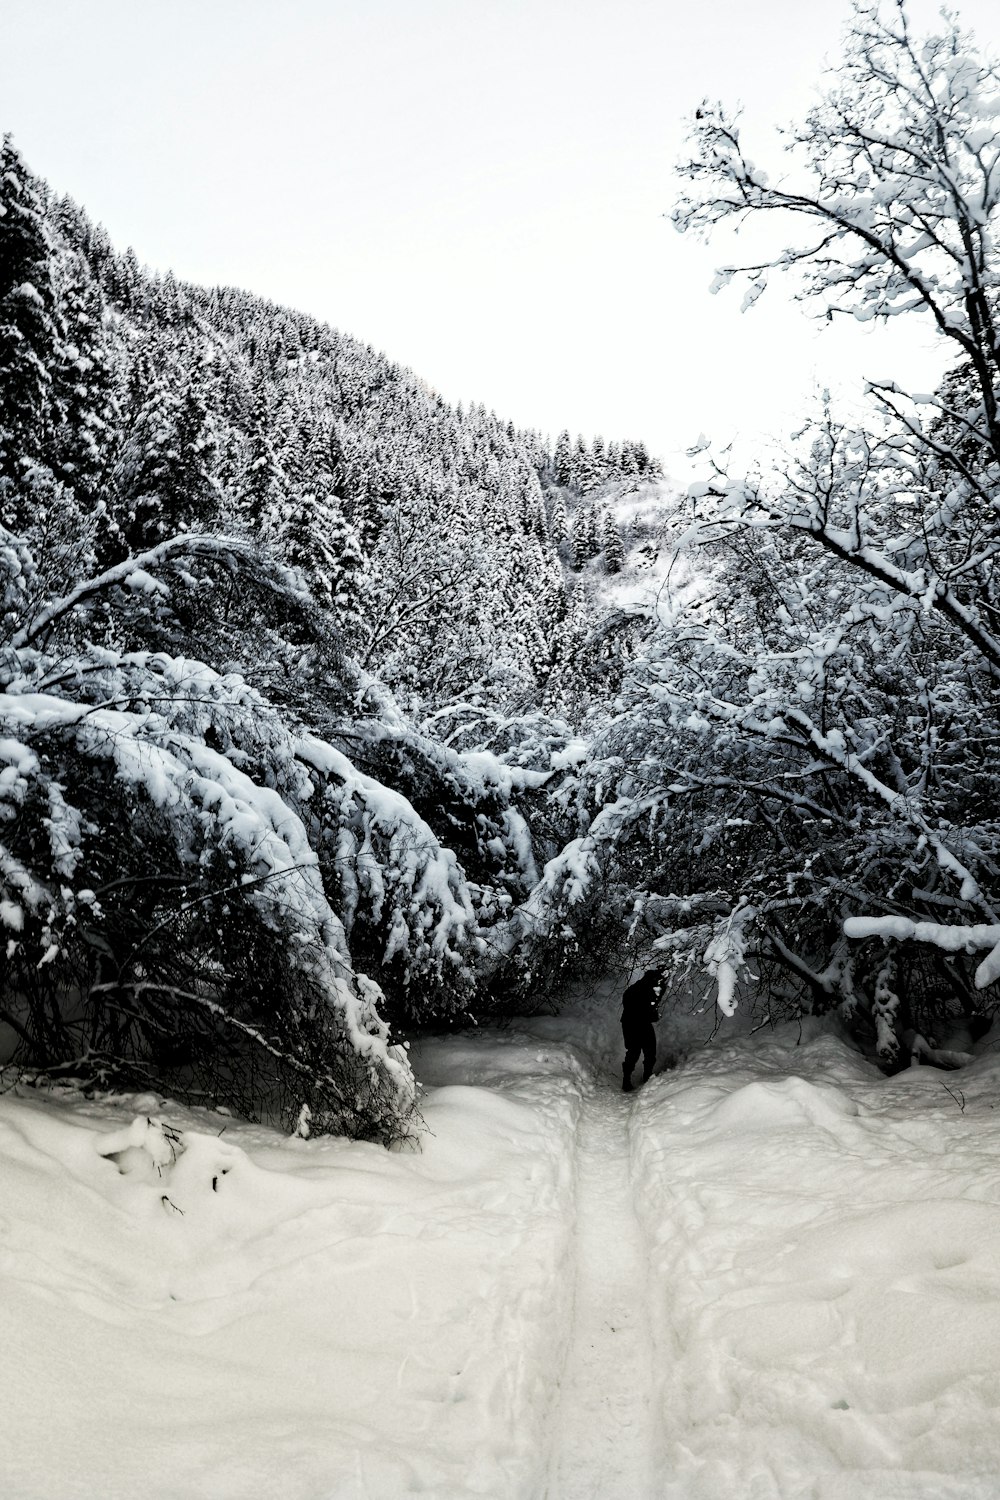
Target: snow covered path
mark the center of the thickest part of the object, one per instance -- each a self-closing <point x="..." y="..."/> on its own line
<point x="603" y="1428"/>
<point x="771" y="1275"/>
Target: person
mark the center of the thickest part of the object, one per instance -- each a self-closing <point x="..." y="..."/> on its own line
<point x="640" y="1009"/>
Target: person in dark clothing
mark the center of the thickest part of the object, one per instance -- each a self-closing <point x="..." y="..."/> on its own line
<point x="640" y="1009"/>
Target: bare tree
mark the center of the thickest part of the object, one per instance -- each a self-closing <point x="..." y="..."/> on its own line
<point x="836" y="665"/>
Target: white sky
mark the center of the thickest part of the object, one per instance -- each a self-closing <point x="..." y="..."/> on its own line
<point x="475" y="186"/>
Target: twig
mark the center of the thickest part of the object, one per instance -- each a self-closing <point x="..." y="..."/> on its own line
<point x="957" y="1095"/>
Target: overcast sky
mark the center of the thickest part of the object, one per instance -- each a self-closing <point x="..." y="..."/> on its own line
<point x="475" y="186"/>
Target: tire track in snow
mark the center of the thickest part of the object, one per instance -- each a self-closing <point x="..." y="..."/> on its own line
<point x="604" y="1426"/>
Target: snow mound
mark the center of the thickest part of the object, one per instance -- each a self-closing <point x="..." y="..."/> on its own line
<point x="826" y="1251"/>
<point x="197" y="1307"/>
<point x="782" y="1104"/>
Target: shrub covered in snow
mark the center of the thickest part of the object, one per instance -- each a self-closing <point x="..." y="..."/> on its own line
<point x="164" y="911"/>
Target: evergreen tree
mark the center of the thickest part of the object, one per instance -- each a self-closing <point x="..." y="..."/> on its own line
<point x="584" y="542"/>
<point x="125" y="283"/>
<point x="166" y="480"/>
<point x="580" y="466"/>
<point x="83" y="379"/>
<point x="314" y="535"/>
<point x="520" y="586"/>
<point x="558" y="519"/>
<point x="562" y="459"/>
<point x="30" y="328"/>
<point x="614" y="547"/>
<point x="291" y="344"/>
<point x="643" y="462"/>
<point x="261" y="486"/>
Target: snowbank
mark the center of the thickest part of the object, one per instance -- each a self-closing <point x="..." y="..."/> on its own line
<point x="198" y="1308"/>
<point x="825" y="1245"/>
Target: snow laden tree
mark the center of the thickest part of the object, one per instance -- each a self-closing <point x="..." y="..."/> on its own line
<point x="165" y="479"/>
<point x="84" y="382"/>
<point x="198" y="889"/>
<point x="30" y="332"/>
<point x="613" y="544"/>
<point x="811" y="741"/>
<point x="165" y="913"/>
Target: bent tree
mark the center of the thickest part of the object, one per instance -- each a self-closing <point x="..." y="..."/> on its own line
<point x="231" y="867"/>
<point x="824" y="691"/>
<point x="162" y="904"/>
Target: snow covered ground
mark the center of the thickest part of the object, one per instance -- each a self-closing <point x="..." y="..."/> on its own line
<point x="769" y="1273"/>
<point x="825" y="1245"/>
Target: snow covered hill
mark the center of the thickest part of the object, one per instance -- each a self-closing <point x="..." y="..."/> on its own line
<point x="770" y="1273"/>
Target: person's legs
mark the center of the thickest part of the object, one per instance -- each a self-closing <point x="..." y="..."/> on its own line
<point x="633" y="1046"/>
<point x="648" y="1052"/>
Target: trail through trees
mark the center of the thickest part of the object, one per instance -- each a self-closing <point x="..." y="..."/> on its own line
<point x="603" y="1438"/>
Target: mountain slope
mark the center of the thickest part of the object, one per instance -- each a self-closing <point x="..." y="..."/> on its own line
<point x="255" y="581"/>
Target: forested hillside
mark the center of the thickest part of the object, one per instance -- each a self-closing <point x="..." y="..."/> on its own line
<point x="263" y="592"/>
<point x="331" y="711"/>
